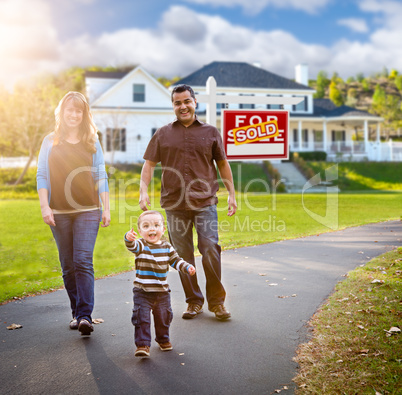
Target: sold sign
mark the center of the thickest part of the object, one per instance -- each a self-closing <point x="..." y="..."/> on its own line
<point x="258" y="132"/>
<point x="254" y="134"/>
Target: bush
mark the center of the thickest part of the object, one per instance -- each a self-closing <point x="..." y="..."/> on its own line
<point x="316" y="156"/>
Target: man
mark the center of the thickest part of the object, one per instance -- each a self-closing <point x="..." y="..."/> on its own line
<point x="187" y="149"/>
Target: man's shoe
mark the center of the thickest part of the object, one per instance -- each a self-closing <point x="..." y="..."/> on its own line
<point x="85" y="327"/>
<point x="142" y="351"/>
<point x="192" y="311"/>
<point x="166" y="346"/>
<point x="220" y="312"/>
<point x="74" y="323"/>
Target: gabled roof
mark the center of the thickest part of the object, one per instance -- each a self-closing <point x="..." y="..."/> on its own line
<point x="240" y="75"/>
<point x="106" y="74"/>
<point x="326" y="108"/>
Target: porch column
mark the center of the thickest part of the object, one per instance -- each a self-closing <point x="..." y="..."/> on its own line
<point x="365" y="136"/>
<point x="378" y="132"/>
<point x="324" y="136"/>
<point x="299" y="133"/>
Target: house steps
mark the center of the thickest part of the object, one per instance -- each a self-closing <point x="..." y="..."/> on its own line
<point x="295" y="181"/>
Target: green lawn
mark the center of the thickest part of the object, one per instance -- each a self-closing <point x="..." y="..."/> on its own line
<point x="28" y="254"/>
<point x="364" y="176"/>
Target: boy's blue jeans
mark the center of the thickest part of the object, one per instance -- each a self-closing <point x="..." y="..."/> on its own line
<point x="75" y="236"/>
<point x="159" y="303"/>
<point x="205" y="221"/>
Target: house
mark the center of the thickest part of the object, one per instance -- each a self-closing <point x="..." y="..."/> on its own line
<point x="129" y="107"/>
<point x="315" y="124"/>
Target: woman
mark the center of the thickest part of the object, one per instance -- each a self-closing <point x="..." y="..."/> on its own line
<point x="72" y="184"/>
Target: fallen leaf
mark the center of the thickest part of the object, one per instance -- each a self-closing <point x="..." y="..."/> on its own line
<point x="376" y="281"/>
<point x="98" y="321"/>
<point x="365" y="351"/>
<point x="360" y="326"/>
<point x="294" y="295"/>
<point x="14" y="326"/>
<point x="262" y="274"/>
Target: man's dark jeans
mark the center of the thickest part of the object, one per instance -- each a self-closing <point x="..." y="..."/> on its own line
<point x="205" y="221"/>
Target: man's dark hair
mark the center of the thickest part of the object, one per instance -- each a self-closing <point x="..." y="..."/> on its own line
<point x="182" y="88"/>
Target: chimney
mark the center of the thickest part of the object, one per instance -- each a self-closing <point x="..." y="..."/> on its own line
<point x="301" y="74"/>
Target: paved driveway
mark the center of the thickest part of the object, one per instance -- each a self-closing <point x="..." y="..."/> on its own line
<point x="250" y="354"/>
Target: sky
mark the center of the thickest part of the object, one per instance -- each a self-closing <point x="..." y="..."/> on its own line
<point x="176" y="37"/>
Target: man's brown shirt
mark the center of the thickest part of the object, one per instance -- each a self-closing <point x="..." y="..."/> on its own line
<point x="187" y="155"/>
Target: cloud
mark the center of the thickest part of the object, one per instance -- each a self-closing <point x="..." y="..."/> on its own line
<point x="190" y="29"/>
<point x="355" y="24"/>
<point x="256" y="6"/>
<point x="168" y="50"/>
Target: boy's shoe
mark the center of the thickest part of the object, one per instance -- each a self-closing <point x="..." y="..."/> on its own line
<point x="166" y="346"/>
<point x="220" y="312"/>
<point x="142" y="351"/>
<point x="74" y="323"/>
<point x="192" y="311"/>
<point x="85" y="327"/>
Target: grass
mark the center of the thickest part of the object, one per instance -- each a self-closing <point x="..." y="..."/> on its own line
<point x="352" y="350"/>
<point x="364" y="176"/>
<point x="29" y="259"/>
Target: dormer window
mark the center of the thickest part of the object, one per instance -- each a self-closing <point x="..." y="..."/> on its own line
<point x="302" y="106"/>
<point x="139" y="93"/>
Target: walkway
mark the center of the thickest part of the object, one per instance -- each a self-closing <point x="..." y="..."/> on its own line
<point x="273" y="290"/>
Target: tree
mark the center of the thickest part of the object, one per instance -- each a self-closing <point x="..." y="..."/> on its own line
<point x="322" y="84"/>
<point x="388" y="107"/>
<point x="335" y="94"/>
<point x="29" y="116"/>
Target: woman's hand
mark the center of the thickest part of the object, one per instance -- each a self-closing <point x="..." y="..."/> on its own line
<point x="105" y="218"/>
<point x="47" y="215"/>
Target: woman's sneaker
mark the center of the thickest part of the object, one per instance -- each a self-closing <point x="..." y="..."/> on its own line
<point x="142" y="351"/>
<point x="74" y="324"/>
<point x="85" y="327"/>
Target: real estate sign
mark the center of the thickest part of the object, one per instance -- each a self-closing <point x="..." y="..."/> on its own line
<point x="255" y="134"/>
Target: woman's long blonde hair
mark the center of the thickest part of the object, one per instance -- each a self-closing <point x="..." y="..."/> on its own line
<point x="87" y="128"/>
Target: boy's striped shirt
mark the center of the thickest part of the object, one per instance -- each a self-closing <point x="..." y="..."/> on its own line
<point x="152" y="264"/>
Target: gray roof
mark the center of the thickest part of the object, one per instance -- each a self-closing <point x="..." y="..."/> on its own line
<point x="326" y="108"/>
<point x="240" y="75"/>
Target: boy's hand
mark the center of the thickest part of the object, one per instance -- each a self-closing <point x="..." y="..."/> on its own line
<point x="131" y="235"/>
<point x="191" y="270"/>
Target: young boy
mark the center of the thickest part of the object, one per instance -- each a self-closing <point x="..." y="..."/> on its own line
<point x="151" y="290"/>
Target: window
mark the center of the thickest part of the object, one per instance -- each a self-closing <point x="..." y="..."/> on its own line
<point x="220" y="106"/>
<point x="275" y="106"/>
<point x="139" y="93"/>
<point x="115" y="140"/>
<point x="302" y="106"/>
<point x="243" y="106"/>
<point x="295" y="135"/>
<point x="338" y="135"/>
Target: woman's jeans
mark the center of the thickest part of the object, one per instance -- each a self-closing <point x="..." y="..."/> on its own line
<point x="205" y="222"/>
<point x="159" y="303"/>
<point x="75" y="236"/>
